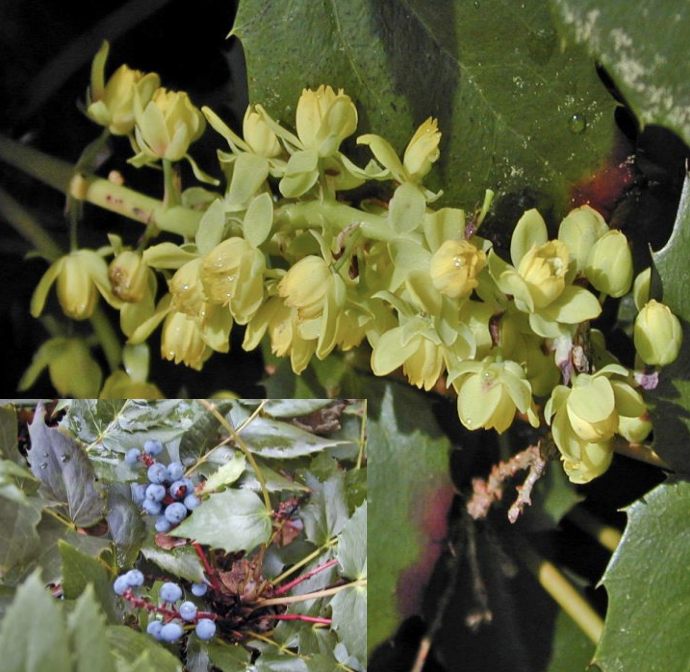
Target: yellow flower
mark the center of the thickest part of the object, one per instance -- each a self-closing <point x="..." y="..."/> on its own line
<point x="112" y="104"/>
<point x="658" y="334"/>
<point x="422" y="150"/>
<point x="455" y="267"/>
<point x="165" y="126"/>
<point x="580" y="229"/>
<point x="80" y="275"/>
<point x="129" y="276"/>
<point x="305" y="286"/>
<point x="182" y="341"/>
<point x="609" y="264"/>
<point x="543" y="269"/>
<point x="120" y="385"/>
<point x="259" y="137"/>
<point x="188" y="291"/>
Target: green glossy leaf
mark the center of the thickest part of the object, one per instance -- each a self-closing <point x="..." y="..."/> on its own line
<point x="202" y="435"/>
<point x="12" y="476"/>
<point x="8" y="436"/>
<point x="648" y="586"/>
<point x="79" y="570"/>
<point x="234" y="520"/>
<point x="643" y="47"/>
<point x="197" y="659"/>
<point x="19" y="541"/>
<point x="572" y="651"/>
<point x="277" y="439"/>
<point x="294" y="408"/>
<point x="182" y="562"/>
<point x="229" y="658"/>
<point x="227" y="474"/>
<point x="87" y="635"/>
<point x="277" y="662"/>
<point x="128" y="646"/>
<point x="350" y="619"/>
<point x="352" y="545"/>
<point x="126" y="525"/>
<point x="33" y="636"/>
<point x="533" y="118"/>
<point x="670" y="401"/>
<point x="326" y="514"/>
<point x="66" y="473"/>
<point x="408" y="495"/>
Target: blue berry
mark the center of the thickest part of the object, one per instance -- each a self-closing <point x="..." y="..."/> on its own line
<point x="132" y="456"/>
<point x="163" y="525"/>
<point x="154" y="628"/>
<point x="170" y="592"/>
<point x="199" y="589"/>
<point x="156" y="492"/>
<point x="205" y="628"/>
<point x="121" y="584"/>
<point x="135" y="578"/>
<point x="171" y="632"/>
<point x="158" y="473"/>
<point x="188" y="611"/>
<point x="179" y="490"/>
<point x="190" y="485"/>
<point x="153" y="447"/>
<point x="176" y="470"/>
<point x="176" y="512"/>
<point x="191" y="502"/>
<point x="151" y="507"/>
<point x="138" y="493"/>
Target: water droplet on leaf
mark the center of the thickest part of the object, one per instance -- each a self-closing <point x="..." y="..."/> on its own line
<point x="577" y="123"/>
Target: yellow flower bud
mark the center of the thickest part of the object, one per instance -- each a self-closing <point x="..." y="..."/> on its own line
<point x="543" y="269"/>
<point x="232" y="274"/>
<point x="422" y="150"/>
<point x="112" y="105"/>
<point x="257" y="134"/>
<point x="305" y="286"/>
<point x="634" y="430"/>
<point x="455" y="266"/>
<point x="594" y="460"/>
<point x="129" y="276"/>
<point x="76" y="291"/>
<point x="120" y="386"/>
<point x="658" y="334"/>
<point x="490" y="393"/>
<point x="188" y="291"/>
<point x="324" y="119"/>
<point x="181" y="341"/>
<point x="609" y="265"/>
<point x="641" y="288"/>
<point x="580" y="229"/>
<point x="167" y="125"/>
<point x="591" y="408"/>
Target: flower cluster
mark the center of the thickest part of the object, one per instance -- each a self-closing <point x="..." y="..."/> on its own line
<point x="281" y="251"/>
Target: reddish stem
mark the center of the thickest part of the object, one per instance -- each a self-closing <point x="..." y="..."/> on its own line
<point x="209" y="570"/>
<point x="287" y="586"/>
<point x="299" y="617"/>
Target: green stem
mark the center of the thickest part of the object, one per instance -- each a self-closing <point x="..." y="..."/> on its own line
<point x="171" y="197"/>
<point x="563" y="592"/>
<point x="309" y="596"/>
<point x="114" y="197"/>
<point x="609" y="537"/>
<point x="107" y="338"/>
<point x="243" y="447"/>
<point x="28" y="227"/>
<point x="362" y="436"/>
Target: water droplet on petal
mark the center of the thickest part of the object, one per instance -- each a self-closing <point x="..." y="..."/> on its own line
<point x="467" y="422"/>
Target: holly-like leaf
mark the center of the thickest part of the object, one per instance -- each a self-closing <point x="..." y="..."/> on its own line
<point x="647" y="577"/>
<point x="12" y="475"/>
<point x="8" y="436"/>
<point x="229" y="658"/>
<point x="352" y="545"/>
<point x="202" y="435"/>
<point x="277" y="439"/>
<point x="33" y="635"/>
<point x="182" y="561"/>
<point x="227" y="474"/>
<point x="19" y="541"/>
<point x="127" y="528"/>
<point x="670" y="401"/>
<point x="409" y="495"/>
<point x="79" y="570"/>
<point x="234" y="520"/>
<point x="533" y="117"/>
<point x="326" y="514"/>
<point x="66" y="472"/>
<point x="87" y="635"/>
<point x="129" y="647"/>
<point x="642" y="45"/>
<point x="294" y="408"/>
<point x="350" y="619"/>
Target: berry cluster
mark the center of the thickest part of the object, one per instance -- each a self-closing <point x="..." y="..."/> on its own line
<point x="170" y="627"/>
<point x="168" y="494"/>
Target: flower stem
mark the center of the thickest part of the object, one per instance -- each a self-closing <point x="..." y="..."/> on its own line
<point x="304" y="561"/>
<point x="609" y="537"/>
<point x="309" y="596"/>
<point x="288" y="586"/>
<point x="107" y="338"/>
<point x="563" y="592"/>
<point x="639" y="451"/>
<point x="300" y="617"/>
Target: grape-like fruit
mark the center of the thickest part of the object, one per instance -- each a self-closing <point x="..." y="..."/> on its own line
<point x="176" y="512"/>
<point x="171" y="632"/>
<point x="121" y="584"/>
<point x="163" y="525"/>
<point x="191" y="502"/>
<point x="199" y="589"/>
<point x="153" y="447"/>
<point x="190" y="485"/>
<point x="188" y="611"/>
<point x="154" y="628"/>
<point x="179" y="490"/>
<point x="151" y="507"/>
<point x="158" y="473"/>
<point x="156" y="492"/>
<point x="132" y="456"/>
<point x="170" y="592"/>
<point x="135" y="578"/>
<point x="205" y="628"/>
<point x="176" y="470"/>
